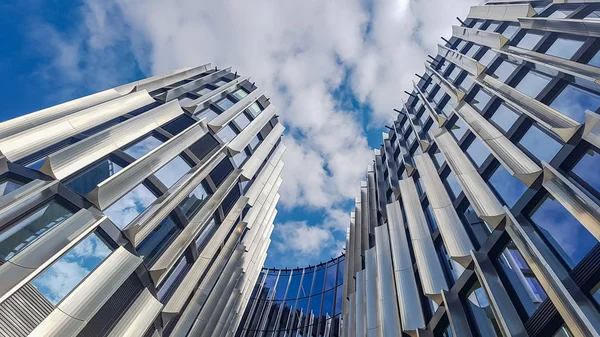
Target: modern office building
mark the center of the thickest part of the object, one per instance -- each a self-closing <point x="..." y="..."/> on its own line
<point x="142" y="210"/>
<point x="481" y="213"/>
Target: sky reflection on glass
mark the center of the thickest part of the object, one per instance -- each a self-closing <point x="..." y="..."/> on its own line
<point x="129" y="206"/>
<point x="508" y="187"/>
<point x="540" y="144"/>
<point x="573" y="102"/>
<point x="172" y="171"/>
<point x="142" y="147"/>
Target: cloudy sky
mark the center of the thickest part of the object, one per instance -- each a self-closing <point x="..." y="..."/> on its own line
<point x="335" y="69"/>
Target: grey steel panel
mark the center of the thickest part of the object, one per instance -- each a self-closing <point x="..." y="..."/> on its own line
<point x="481" y="37"/>
<point x="77" y="156"/>
<point x="390" y="317"/>
<point x="391" y="163"/>
<point x="456" y="314"/>
<point x="358" y="252"/>
<point x="193" y="85"/>
<point x="159" y="81"/>
<point x="138" y="317"/>
<point x="350" y="263"/>
<point x="457" y="242"/>
<point x="71" y="315"/>
<point x="484" y="202"/>
<point x="24" y="266"/>
<point x="517" y="163"/>
<point x="464" y="62"/>
<point x="364" y="214"/>
<point x="422" y="136"/>
<point x="360" y="242"/>
<point x="591" y="130"/>
<point x="253" y="163"/>
<point x="267" y="175"/>
<point x="565" y="127"/>
<point x="146" y="222"/>
<point x="129" y="87"/>
<point x="230" y="114"/>
<point x="239" y="143"/>
<point x="429" y="267"/>
<point x="352" y="316"/>
<point x="567" y="298"/>
<point x="361" y="314"/>
<point x="372" y="198"/>
<point x="24" y="143"/>
<point x="411" y="315"/>
<point x="203" y="101"/>
<point x="590" y="28"/>
<point x="169" y="257"/>
<point x="37" y="118"/>
<point x="582" y="207"/>
<point x="506" y="315"/>
<point x="25" y="198"/>
<point x="347" y="275"/>
<point x="372" y="295"/>
<point x="510" y="12"/>
<point x="448" y="87"/>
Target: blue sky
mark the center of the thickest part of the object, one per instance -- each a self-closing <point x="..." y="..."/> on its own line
<point x="335" y="69"/>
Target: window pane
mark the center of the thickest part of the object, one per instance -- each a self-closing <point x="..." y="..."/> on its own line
<point x="529" y="40"/>
<point x="563" y="332"/>
<point x="529" y="291"/>
<point x="459" y="129"/>
<point x="587" y="169"/>
<point x="227" y="133"/>
<point x="87" y="181"/>
<point x="573" y="102"/>
<point x="27" y="230"/>
<point x="533" y="83"/>
<point x="255" y="109"/>
<point x="240" y="93"/>
<point x="64" y="275"/>
<point x="170" y="173"/>
<point x="240" y="158"/>
<point x="507" y="186"/>
<point x="492" y="26"/>
<point x="157" y="240"/>
<point x="560" y="13"/>
<point x="564" y="48"/>
<point x="142" y="147"/>
<point x="510" y="31"/>
<point x="595" y="61"/>
<point x="504" y="117"/>
<point x="595" y="15"/>
<point x="225" y="103"/>
<point x="481" y="99"/>
<point x="242" y="120"/>
<point x="191" y="204"/>
<point x="478" y="152"/>
<point x="454" y="74"/>
<point x="209" y="114"/>
<point x="504" y="70"/>
<point x="173" y="278"/>
<point x="8" y="186"/>
<point x="452" y="184"/>
<point x="479" y="307"/>
<point x="570" y="239"/>
<point x="466" y="83"/>
<point x="129" y="206"/>
<point x="203" y="91"/>
<point x="487" y="58"/>
<point x="202" y="238"/>
<point x="540" y="144"/>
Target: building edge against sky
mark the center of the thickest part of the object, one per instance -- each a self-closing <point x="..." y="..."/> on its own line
<point x="142" y="210"/>
<point x="479" y="215"/>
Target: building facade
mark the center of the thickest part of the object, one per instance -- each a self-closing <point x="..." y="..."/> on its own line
<point x="480" y="215"/>
<point x="142" y="210"/>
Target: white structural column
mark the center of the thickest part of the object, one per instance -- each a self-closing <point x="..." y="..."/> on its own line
<point x="372" y="295"/>
<point x="390" y="318"/>
<point x="360" y="322"/>
<point x="457" y="242"/>
<point x="430" y="269"/>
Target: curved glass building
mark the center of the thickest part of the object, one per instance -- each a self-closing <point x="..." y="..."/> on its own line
<point x="288" y="302"/>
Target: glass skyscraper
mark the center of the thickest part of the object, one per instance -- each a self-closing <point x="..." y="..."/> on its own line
<point x="142" y="210"/>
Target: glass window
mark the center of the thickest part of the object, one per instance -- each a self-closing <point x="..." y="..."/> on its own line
<point x="573" y="101"/>
<point x="561" y="13"/>
<point x="173" y="278"/>
<point x="487" y="58"/>
<point x="529" y="291"/>
<point x="472" y="51"/>
<point x="91" y="177"/>
<point x="172" y="171"/>
<point x="595" y="15"/>
<point x="596" y="293"/>
<point x="529" y="40"/>
<point x="203" y="237"/>
<point x="186" y="100"/>
<point x="478" y="152"/>
<point x="57" y="281"/>
<point x="540" y="144"/>
<point x="430" y="218"/>
<point x="466" y="83"/>
<point x="8" y="185"/>
<point x="254" y="109"/>
<point x="492" y="26"/>
<point x="452" y="185"/>
<point x="510" y="31"/>
<point x="227" y="133"/>
<point x="504" y="117"/>
<point x="240" y="93"/>
<point x="142" y="147"/>
<point x="242" y="120"/>
<point x="504" y="70"/>
<point x="461" y="45"/>
<point x="439" y="95"/>
<point x="28" y="229"/>
<point x="563" y="332"/>
<point x="220" y="82"/>
<point x="225" y="103"/>
<point x="459" y="129"/>
<point x="192" y="203"/>
<point x="209" y="114"/>
<point x="533" y="83"/>
<point x="508" y="187"/>
<point x="564" y="47"/>
<point x="129" y="206"/>
<point x="154" y="243"/>
<point x="240" y="158"/>
<point x="477" y="24"/>
<point x="587" y="169"/>
<point x="570" y="239"/>
<point x="481" y="99"/>
<point x="454" y="74"/>
<point x="254" y="143"/>
<point x="203" y="91"/>
<point x="479" y="306"/>
<point x="438" y="158"/>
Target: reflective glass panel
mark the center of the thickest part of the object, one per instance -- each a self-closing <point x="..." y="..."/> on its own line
<point x="533" y="83"/>
<point x="595" y="61"/>
<point x="30" y="228"/>
<point x="242" y="120"/>
<point x="157" y="240"/>
<point x="8" y="186"/>
<point x="563" y="332"/>
<point x="209" y="114"/>
<point x="240" y="158"/>
<point x="492" y="26"/>
<point x="254" y="109"/>
<point x="57" y="281"/>
<point x="540" y="144"/>
<point x="529" y="40"/>
<point x="129" y="206"/>
<point x="172" y="171"/>
<point x="507" y="186"/>
<point x="206" y="232"/>
<point x="504" y="70"/>
<point x="142" y="147"/>
<point x="504" y="117"/>
<point x="573" y="102"/>
<point x="88" y="180"/>
<point x="225" y="103"/>
<point x="192" y="203"/>
<point x="459" y="129"/>
<point x="466" y="83"/>
<point x="173" y="278"/>
<point x="487" y="58"/>
<point x="478" y="152"/>
<point x="227" y="133"/>
<point x="568" y="237"/>
<point x="203" y="91"/>
<point x="479" y="306"/>
<point x="587" y="169"/>
<point x="240" y="93"/>
<point x="510" y="31"/>
<point x="564" y="47"/>
<point x="481" y="99"/>
<point x="561" y="13"/>
<point x="453" y="185"/>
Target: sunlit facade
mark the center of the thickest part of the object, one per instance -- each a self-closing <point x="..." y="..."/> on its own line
<point x="480" y="215"/>
<point x="143" y="210"/>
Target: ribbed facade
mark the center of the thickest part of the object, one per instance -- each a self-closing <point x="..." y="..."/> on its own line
<point x="142" y="210"/>
<point x="480" y="215"/>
